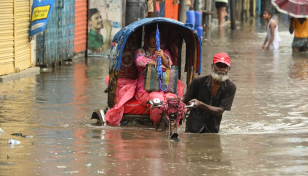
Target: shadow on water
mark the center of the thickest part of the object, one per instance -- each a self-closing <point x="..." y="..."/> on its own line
<point x="265" y="133"/>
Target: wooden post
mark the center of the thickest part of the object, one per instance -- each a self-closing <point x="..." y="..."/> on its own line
<point x="182" y="11"/>
<point x="155" y="11"/>
<point x="15" y="32"/>
<point x="248" y="8"/>
<point x="254" y="8"/>
<point x="209" y="8"/>
<point x="152" y="14"/>
<point x="242" y="11"/>
<point x="233" y="15"/>
<point x="239" y="9"/>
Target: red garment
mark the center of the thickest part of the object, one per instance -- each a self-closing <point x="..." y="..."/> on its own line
<point x="143" y="97"/>
<point x="125" y="91"/>
<point x="134" y="107"/>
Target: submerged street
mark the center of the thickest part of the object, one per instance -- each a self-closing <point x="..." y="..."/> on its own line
<point x="265" y="133"/>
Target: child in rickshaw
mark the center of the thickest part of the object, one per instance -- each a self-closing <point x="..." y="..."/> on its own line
<point x="148" y="55"/>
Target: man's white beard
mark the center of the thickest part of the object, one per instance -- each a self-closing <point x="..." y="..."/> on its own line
<point x="219" y="77"/>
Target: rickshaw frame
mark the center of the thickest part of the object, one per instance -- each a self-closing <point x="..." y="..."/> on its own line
<point x="186" y="33"/>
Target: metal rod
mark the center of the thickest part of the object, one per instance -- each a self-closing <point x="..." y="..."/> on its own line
<point x="180" y="57"/>
<point x="169" y="128"/>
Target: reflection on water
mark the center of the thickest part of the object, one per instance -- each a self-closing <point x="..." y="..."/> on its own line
<point x="81" y="80"/>
<point x="269" y="118"/>
<point x="300" y="67"/>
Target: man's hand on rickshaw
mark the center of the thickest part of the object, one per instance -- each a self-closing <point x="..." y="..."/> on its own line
<point x="197" y="102"/>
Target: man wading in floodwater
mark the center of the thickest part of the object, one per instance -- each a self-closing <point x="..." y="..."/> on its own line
<point x="212" y="95"/>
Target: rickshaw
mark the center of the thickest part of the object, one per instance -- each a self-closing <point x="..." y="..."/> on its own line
<point x="122" y="65"/>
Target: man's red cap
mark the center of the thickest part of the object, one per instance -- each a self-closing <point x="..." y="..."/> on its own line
<point x="223" y="58"/>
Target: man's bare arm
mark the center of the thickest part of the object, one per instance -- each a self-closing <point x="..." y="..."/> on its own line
<point x="185" y="100"/>
<point x="217" y="111"/>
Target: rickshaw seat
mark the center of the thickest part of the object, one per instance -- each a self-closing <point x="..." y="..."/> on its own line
<point x="133" y="107"/>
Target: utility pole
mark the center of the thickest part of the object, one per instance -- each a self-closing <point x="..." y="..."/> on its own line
<point x="209" y="9"/>
<point x="182" y="11"/>
<point x="233" y="15"/>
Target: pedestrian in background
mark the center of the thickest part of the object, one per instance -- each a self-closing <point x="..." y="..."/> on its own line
<point x="300" y="41"/>
<point x="221" y="6"/>
<point x="272" y="36"/>
<point x="189" y="5"/>
<point x="157" y="8"/>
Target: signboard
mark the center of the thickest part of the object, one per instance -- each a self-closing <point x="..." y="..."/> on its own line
<point x="40" y="13"/>
<point x="105" y="19"/>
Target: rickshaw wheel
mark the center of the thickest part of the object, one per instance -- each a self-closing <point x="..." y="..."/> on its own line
<point x="99" y="114"/>
<point x="175" y="137"/>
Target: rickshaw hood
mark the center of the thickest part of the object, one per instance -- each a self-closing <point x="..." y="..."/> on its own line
<point x="120" y="38"/>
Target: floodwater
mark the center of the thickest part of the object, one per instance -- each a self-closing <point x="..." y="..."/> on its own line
<point x="264" y="134"/>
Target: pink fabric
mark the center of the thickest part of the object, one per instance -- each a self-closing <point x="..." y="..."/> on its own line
<point x="143" y="97"/>
<point x="142" y="58"/>
<point x="126" y="89"/>
<point x="174" y="106"/>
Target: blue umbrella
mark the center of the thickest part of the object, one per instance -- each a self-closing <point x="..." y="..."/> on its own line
<point x="159" y="68"/>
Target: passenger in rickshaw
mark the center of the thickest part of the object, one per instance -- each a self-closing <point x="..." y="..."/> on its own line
<point x="148" y="55"/>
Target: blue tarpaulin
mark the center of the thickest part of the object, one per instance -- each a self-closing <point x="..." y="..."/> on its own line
<point x="40" y="13"/>
<point x="121" y="37"/>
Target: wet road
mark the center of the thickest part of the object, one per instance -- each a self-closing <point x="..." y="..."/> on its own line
<point x="269" y="118"/>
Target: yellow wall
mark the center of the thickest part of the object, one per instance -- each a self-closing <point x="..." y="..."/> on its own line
<point x="15" y="51"/>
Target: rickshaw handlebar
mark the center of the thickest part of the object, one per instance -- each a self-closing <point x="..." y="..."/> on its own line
<point x="156" y="103"/>
<point x="192" y="105"/>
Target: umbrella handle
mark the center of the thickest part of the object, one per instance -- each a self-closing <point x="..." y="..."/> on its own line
<point x="161" y="88"/>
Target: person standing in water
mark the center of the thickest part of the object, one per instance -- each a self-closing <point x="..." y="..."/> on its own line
<point x="221" y="6"/>
<point x="272" y="37"/>
<point x="212" y="96"/>
<point x="300" y="28"/>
